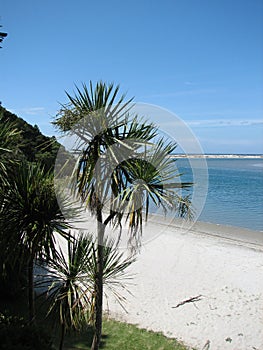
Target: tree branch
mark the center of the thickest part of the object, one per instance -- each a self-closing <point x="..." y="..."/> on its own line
<point x="190" y="300"/>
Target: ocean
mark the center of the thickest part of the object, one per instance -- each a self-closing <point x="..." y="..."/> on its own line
<point x="235" y="191"/>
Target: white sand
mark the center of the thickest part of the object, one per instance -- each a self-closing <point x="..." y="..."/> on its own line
<point x="222" y="264"/>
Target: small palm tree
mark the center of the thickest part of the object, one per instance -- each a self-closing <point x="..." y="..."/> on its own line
<point x="30" y="218"/>
<point x="72" y="276"/>
<point x="122" y="166"/>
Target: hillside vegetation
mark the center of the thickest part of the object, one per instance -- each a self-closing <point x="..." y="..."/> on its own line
<point x="31" y="144"/>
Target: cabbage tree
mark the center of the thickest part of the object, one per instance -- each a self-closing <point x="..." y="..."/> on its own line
<point x="122" y="168"/>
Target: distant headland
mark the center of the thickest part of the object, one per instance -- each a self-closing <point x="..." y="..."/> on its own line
<point x="228" y="156"/>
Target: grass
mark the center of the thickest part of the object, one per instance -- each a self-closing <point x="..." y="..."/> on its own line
<point x="123" y="336"/>
<point x="115" y="335"/>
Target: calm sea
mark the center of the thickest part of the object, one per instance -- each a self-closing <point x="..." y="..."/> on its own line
<point x="235" y="192"/>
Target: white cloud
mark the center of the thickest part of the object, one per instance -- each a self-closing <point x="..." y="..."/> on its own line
<point x="228" y="141"/>
<point x="28" y="111"/>
<point x="33" y="110"/>
<point x="213" y="123"/>
<point x="223" y="122"/>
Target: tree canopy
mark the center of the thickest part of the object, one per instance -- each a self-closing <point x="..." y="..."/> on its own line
<point x="2" y="36"/>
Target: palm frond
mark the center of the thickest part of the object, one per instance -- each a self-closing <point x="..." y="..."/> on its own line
<point x="29" y="212"/>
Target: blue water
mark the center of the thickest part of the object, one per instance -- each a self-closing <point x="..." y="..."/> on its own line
<point x="235" y="192"/>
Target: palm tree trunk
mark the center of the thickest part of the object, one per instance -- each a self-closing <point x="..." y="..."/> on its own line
<point x="99" y="284"/>
<point x="31" y="299"/>
<point x="62" y="336"/>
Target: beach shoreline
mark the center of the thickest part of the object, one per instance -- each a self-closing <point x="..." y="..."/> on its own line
<point x="222" y="265"/>
<point x="234" y="234"/>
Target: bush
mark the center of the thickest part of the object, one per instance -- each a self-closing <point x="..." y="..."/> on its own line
<point x="15" y="334"/>
<point x="12" y="281"/>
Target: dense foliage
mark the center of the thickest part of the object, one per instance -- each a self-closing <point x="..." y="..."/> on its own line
<point x="29" y="212"/>
<point x="16" y="334"/>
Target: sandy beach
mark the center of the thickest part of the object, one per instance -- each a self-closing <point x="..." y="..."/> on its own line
<point x="220" y="266"/>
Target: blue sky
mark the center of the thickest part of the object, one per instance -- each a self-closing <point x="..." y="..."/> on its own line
<point x="202" y="60"/>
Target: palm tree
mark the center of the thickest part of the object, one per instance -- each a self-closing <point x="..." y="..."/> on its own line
<point x="70" y="294"/>
<point x="30" y="218"/>
<point x="121" y="168"/>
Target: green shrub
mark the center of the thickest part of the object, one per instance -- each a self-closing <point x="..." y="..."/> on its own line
<point x="15" y="334"/>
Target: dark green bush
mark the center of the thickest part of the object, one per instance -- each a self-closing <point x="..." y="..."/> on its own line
<point x="15" y="334"/>
<point x="12" y="280"/>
